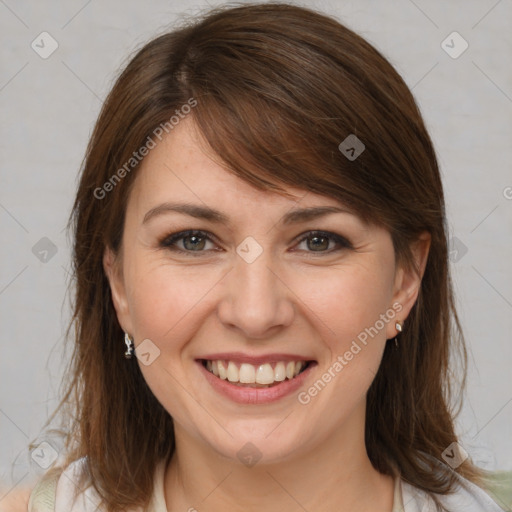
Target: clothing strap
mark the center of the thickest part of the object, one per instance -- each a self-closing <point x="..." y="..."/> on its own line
<point x="42" y="497"/>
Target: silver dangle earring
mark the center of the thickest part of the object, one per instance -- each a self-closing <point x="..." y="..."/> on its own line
<point x="129" y="346"/>
<point x="398" y="327"/>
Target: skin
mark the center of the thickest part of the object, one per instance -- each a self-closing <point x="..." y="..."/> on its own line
<point x="14" y="500"/>
<point x="293" y="298"/>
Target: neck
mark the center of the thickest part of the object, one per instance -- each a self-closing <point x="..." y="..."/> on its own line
<point x="321" y="479"/>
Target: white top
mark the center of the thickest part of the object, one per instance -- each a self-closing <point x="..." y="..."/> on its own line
<point x="58" y="496"/>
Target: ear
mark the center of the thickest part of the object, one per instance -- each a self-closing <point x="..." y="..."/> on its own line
<point x="408" y="281"/>
<point x="112" y="265"/>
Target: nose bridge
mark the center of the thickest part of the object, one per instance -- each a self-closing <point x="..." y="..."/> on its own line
<point x="256" y="300"/>
<point x="255" y="279"/>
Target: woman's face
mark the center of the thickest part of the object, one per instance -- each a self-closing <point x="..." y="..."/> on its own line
<point x="256" y="285"/>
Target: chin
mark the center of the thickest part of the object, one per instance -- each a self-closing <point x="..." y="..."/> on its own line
<point x="258" y="448"/>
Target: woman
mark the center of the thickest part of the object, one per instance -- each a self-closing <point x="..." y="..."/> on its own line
<point x="260" y="228"/>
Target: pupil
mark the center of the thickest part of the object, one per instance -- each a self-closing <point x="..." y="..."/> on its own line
<point x="324" y="242"/>
<point x="197" y="242"/>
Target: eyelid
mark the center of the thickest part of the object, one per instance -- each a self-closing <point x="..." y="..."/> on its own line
<point x="342" y="241"/>
<point x="167" y="241"/>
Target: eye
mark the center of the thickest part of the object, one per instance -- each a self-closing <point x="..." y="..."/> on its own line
<point x="196" y="241"/>
<point x="324" y="242"/>
<point x="187" y="241"/>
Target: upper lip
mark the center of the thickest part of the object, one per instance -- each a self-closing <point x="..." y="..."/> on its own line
<point x="240" y="357"/>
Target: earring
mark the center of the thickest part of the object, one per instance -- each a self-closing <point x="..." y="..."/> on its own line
<point x="398" y="327"/>
<point x="129" y="346"/>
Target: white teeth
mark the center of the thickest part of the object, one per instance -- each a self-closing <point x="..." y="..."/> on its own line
<point x="280" y="372"/>
<point x="290" y="369"/>
<point x="222" y="370"/>
<point x="233" y="373"/>
<point x="247" y="373"/>
<point x="265" y="374"/>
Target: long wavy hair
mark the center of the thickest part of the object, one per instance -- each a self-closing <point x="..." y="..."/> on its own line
<point x="277" y="89"/>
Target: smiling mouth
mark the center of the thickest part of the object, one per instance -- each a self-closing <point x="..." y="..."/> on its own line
<point x="256" y="376"/>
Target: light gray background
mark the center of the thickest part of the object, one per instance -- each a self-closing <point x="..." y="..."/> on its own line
<point x="48" y="107"/>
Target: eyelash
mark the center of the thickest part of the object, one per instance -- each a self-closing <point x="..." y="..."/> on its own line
<point x="169" y="241"/>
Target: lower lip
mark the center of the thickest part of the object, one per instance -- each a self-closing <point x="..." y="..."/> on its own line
<point x="255" y="396"/>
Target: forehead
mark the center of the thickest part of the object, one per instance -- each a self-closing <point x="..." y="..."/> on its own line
<point x="182" y="167"/>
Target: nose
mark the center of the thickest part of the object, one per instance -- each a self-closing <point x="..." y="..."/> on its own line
<point x="256" y="300"/>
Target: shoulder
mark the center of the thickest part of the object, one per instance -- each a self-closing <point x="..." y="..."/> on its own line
<point x="64" y="491"/>
<point x="467" y="496"/>
<point x="70" y="491"/>
<point x="14" y="500"/>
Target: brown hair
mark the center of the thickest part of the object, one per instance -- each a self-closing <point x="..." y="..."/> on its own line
<point x="277" y="89"/>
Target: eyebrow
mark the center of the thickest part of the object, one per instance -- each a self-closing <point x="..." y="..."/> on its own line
<point x="206" y="213"/>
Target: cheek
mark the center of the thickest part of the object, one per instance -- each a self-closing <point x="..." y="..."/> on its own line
<point x="167" y="300"/>
<point x="346" y="301"/>
<point x="349" y="306"/>
<point x="158" y="299"/>
<point x="168" y="306"/>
